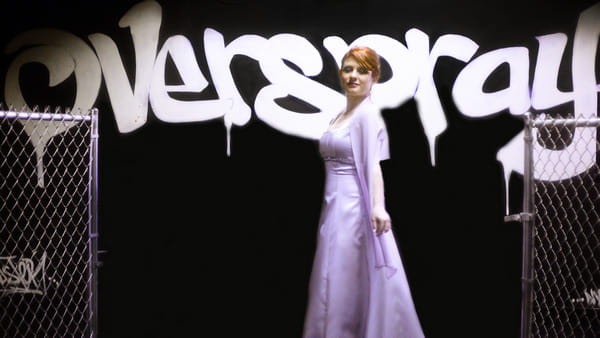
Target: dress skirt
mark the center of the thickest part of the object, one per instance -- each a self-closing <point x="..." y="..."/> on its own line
<point x="339" y="282"/>
<point x="348" y="296"/>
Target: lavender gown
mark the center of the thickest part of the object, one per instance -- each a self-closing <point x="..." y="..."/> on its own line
<point x="350" y="293"/>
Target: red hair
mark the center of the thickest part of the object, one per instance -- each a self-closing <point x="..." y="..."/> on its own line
<point x="367" y="58"/>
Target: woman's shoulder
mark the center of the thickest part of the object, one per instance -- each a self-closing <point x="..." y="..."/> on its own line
<point x="368" y="107"/>
<point x="368" y="112"/>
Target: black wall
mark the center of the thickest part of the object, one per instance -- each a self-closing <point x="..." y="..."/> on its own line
<point x="200" y="242"/>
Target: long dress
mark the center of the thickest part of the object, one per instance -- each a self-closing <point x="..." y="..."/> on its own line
<point x="358" y="287"/>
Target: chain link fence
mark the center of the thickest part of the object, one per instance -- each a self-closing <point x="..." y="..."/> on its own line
<point x="561" y="228"/>
<point x="48" y="224"/>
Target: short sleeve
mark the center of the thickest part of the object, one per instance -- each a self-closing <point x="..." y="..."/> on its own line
<point x="383" y="143"/>
<point x="374" y="137"/>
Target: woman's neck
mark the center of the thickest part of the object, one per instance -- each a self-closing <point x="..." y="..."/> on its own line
<point x="353" y="101"/>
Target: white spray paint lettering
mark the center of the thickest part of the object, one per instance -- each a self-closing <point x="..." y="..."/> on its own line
<point x="591" y="297"/>
<point x="412" y="76"/>
<point x="23" y="275"/>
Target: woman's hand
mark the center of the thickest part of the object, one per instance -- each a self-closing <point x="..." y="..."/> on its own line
<point x="381" y="220"/>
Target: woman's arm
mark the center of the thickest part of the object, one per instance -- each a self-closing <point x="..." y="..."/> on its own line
<point x="379" y="217"/>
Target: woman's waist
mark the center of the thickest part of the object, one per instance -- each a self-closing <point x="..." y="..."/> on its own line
<point x="340" y="165"/>
<point x="342" y="180"/>
<point x="338" y="159"/>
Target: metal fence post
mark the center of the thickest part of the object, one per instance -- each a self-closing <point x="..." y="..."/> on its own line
<point x="93" y="234"/>
<point x="528" y="222"/>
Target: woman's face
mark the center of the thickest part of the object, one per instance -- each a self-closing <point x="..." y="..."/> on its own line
<point x="356" y="79"/>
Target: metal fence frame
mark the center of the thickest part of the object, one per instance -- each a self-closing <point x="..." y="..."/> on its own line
<point x="529" y="216"/>
<point x="90" y="117"/>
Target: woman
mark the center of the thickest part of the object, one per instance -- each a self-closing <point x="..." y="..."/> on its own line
<point x="358" y="287"/>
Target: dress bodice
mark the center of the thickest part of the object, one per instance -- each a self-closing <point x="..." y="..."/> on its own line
<point x="336" y="150"/>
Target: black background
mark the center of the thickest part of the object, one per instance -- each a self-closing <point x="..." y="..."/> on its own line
<point x="202" y="244"/>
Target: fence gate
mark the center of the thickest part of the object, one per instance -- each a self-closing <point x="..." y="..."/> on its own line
<point x="561" y="228"/>
<point x="48" y="223"/>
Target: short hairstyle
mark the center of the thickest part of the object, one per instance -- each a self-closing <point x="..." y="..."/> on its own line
<point x="367" y="58"/>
